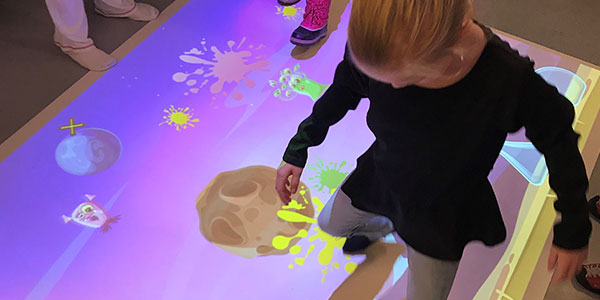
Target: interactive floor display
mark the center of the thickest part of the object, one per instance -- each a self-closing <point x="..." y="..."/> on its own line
<point x="158" y="181"/>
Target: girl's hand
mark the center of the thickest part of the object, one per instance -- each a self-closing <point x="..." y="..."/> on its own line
<point x="282" y="182"/>
<point x="567" y="262"/>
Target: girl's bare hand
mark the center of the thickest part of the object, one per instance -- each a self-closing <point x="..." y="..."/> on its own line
<point x="284" y="188"/>
<point x="567" y="262"/>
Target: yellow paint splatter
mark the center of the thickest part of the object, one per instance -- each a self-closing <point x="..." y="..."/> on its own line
<point x="281" y="242"/>
<point x="332" y="244"/>
<point x="326" y="254"/>
<point x="300" y="260"/>
<point x="302" y="193"/>
<point x="350" y="267"/>
<point x="295" y="249"/>
<point x="294" y="205"/>
<point x="294" y="217"/>
<point x="180" y="117"/>
<point x="318" y="205"/>
<point x="289" y="12"/>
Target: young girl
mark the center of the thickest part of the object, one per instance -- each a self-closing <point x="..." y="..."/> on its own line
<point x="444" y="93"/>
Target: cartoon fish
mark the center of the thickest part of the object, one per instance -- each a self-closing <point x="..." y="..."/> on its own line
<point x="91" y="214"/>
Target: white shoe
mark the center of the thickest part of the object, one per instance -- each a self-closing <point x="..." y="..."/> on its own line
<point x="93" y="59"/>
<point x="141" y="12"/>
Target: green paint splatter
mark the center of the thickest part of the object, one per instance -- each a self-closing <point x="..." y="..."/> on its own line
<point x="308" y="87"/>
<point x="293" y="82"/>
<point x="330" y="176"/>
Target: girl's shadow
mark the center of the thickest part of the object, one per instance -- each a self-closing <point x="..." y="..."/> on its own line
<point x="369" y="277"/>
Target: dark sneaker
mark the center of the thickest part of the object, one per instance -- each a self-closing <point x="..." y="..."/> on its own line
<point x="589" y="278"/>
<point x="356" y="243"/>
<point x="287" y="2"/>
<point x="594" y="207"/>
<point x="314" y="25"/>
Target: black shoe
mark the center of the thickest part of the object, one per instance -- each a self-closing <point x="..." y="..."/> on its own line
<point x="356" y="243"/>
<point x="594" y="207"/>
<point x="304" y="37"/>
<point x="287" y="2"/>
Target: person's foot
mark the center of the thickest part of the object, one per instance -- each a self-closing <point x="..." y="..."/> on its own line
<point x="314" y="26"/>
<point x="140" y="12"/>
<point x="93" y="59"/>
<point x="589" y="278"/>
<point x="306" y="37"/>
<point x="594" y="207"/>
<point x="287" y="2"/>
<point x="356" y="244"/>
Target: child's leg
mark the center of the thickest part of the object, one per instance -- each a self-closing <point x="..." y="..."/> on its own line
<point x="314" y="26"/>
<point x="71" y="35"/>
<point x="429" y="278"/>
<point x="340" y="218"/>
<point x="70" y="23"/>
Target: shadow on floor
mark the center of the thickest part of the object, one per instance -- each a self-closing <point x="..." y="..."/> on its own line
<point x="369" y="277"/>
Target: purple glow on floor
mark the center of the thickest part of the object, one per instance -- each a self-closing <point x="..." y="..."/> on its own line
<point x="156" y="249"/>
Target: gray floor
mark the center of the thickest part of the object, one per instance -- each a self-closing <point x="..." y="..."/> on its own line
<point x="34" y="72"/>
<point x="569" y="26"/>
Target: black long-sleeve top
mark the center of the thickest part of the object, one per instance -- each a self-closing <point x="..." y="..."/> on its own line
<point x="434" y="148"/>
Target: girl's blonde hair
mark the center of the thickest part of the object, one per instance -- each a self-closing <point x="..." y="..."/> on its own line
<point x="385" y="32"/>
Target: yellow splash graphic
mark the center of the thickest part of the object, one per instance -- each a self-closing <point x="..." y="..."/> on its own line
<point x="294" y="205"/>
<point x="294" y="217"/>
<point x="295" y="249"/>
<point x="281" y="242"/>
<point x="332" y="244"/>
<point x="289" y="12"/>
<point x="179" y="117"/>
<point x="300" y="260"/>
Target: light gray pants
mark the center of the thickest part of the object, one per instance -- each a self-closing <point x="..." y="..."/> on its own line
<point x="428" y="278"/>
